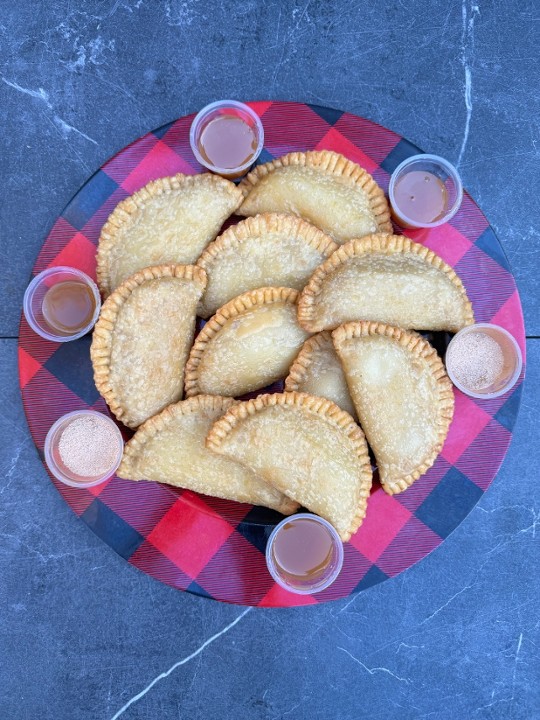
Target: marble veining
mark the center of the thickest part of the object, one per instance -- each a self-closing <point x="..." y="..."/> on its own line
<point x="179" y="663"/>
<point x="42" y="95"/>
<point x="468" y="14"/>
<point x="373" y="670"/>
<point x="82" y="633"/>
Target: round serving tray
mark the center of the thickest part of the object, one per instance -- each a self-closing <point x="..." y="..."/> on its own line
<point x="216" y="548"/>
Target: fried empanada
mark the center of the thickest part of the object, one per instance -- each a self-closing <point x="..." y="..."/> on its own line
<point x="402" y="395"/>
<point x="170" y="220"/>
<point x="323" y="187"/>
<point x="307" y="448"/>
<point x="389" y="279"/>
<point x="265" y="251"/>
<point x="248" y="344"/>
<point x="142" y="340"/>
<point x="317" y="371"/>
<point x="170" y="448"/>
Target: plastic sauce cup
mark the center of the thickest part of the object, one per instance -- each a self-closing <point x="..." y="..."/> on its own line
<point x="35" y="293"/>
<point x="444" y="172"/>
<point x="212" y="112"/>
<point x="54" y="460"/>
<point x="315" y="582"/>
<point x="512" y="359"/>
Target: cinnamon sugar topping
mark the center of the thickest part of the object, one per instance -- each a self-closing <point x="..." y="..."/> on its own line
<point x="88" y="446"/>
<point x="477" y="360"/>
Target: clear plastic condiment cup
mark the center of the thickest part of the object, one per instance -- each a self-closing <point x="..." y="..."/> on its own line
<point x="512" y="361"/>
<point x="54" y="460"/>
<point x="211" y="112"/>
<point x="296" y="584"/>
<point x="35" y="293"/>
<point x="444" y="171"/>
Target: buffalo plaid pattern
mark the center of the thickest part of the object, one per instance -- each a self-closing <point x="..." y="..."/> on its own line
<point x="215" y="548"/>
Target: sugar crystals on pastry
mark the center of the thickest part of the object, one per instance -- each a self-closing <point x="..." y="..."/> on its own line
<point x="269" y="250"/>
<point x="170" y="448"/>
<point x="317" y="370"/>
<point x="403" y="397"/>
<point x="142" y="339"/>
<point x="389" y="279"/>
<point x="323" y="187"/>
<point x="170" y="220"/>
<point x="248" y="344"/>
<point x="307" y="448"/>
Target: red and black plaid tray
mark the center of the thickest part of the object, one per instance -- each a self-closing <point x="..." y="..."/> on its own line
<point x="215" y="548"/>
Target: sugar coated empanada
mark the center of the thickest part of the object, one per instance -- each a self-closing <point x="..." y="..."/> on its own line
<point x="264" y="251"/>
<point x="317" y="371"/>
<point x="248" y="344"/>
<point x="389" y="279"/>
<point x="170" y="448"/>
<point x="170" y="220"/>
<point x="142" y="340"/>
<point x="323" y="187"/>
<point x="402" y="395"/>
<point x="307" y="448"/>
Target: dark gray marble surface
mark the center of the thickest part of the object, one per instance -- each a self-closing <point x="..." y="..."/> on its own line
<point x="81" y="632"/>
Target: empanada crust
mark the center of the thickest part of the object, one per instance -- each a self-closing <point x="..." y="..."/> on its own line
<point x="323" y="187"/>
<point x="389" y="279"/>
<point x="170" y="448"/>
<point x="307" y="448"/>
<point x="170" y="220"/>
<point x="268" y="250"/>
<point x="317" y="371"/>
<point x="142" y="340"/>
<point x="403" y="397"/>
<point x="248" y="344"/>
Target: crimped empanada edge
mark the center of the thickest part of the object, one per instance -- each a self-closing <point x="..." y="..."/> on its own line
<point x="332" y="163"/>
<point x="420" y="348"/>
<point x="265" y="223"/>
<point x="151" y="427"/>
<point x="260" y="225"/>
<point x="101" y="347"/>
<point x="320" y="406"/>
<point x="126" y="208"/>
<point x="238" y="305"/>
<point x="299" y="368"/>
<point x="162" y="420"/>
<point x="375" y="243"/>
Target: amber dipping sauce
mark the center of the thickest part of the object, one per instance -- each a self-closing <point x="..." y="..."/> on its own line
<point x="303" y="550"/>
<point x="421" y="196"/>
<point x="68" y="307"/>
<point x="227" y="142"/>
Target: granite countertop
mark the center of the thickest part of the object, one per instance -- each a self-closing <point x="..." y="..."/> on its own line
<point x="85" y="635"/>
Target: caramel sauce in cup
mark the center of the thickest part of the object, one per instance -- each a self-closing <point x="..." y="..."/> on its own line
<point x="227" y="137"/>
<point x="228" y="142"/>
<point x="68" y="306"/>
<point x="304" y="554"/>
<point x="424" y="191"/>
<point x="61" y="304"/>
<point x="421" y="196"/>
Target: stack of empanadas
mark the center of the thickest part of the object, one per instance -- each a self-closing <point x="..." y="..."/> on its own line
<point x="310" y="288"/>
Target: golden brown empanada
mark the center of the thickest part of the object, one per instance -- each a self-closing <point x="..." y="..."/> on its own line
<point x="170" y="448"/>
<point x="264" y="251"/>
<point x="170" y="220"/>
<point x="323" y="187"/>
<point x="142" y="340"/>
<point x="317" y="371"/>
<point x="389" y="279"/>
<point x="402" y="395"/>
<point x="248" y="344"/>
<point x="307" y="448"/>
